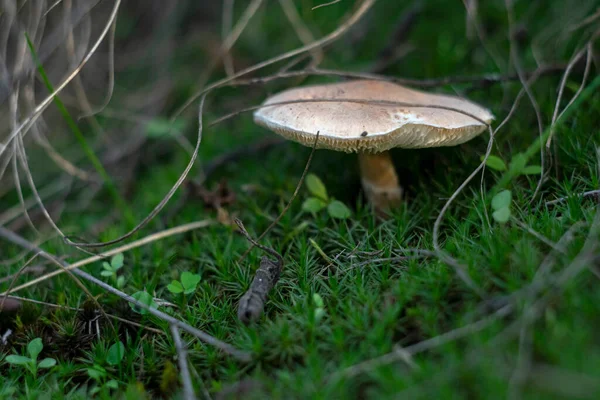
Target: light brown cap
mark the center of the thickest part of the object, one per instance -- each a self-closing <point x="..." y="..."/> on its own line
<point x="355" y="126"/>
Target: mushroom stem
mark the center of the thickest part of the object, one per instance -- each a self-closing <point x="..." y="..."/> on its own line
<point x="379" y="180"/>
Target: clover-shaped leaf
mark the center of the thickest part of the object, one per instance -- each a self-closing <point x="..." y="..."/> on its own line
<point x="189" y="281"/>
<point x="175" y="287"/>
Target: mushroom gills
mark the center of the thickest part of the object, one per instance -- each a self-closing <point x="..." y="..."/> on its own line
<point x="379" y="180"/>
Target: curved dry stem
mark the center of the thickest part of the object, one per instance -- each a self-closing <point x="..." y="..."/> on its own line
<point x="361" y="10"/>
<point x="458" y="268"/>
<point x="302" y="31"/>
<point x="165" y="200"/>
<point x="287" y="206"/>
<point x="31" y="118"/>
<point x="111" y="75"/>
<point x="383" y="103"/>
<point x="517" y="63"/>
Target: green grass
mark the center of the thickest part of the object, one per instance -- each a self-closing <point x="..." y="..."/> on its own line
<point x="370" y="306"/>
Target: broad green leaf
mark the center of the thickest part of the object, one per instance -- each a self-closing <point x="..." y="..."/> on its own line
<point x="494" y="162"/>
<point x="115" y="353"/>
<point x="532" y="170"/>
<point x="313" y="205"/>
<point x="144" y="298"/>
<point x="47" y="363"/>
<point x="318" y="300"/>
<point x="337" y="209"/>
<point x="117" y="261"/>
<point x="316" y="187"/>
<point x="502" y="200"/>
<point x="106" y="273"/>
<point x="501" y="215"/>
<point x="189" y="281"/>
<point x="106" y="266"/>
<point x="34" y="348"/>
<point x="175" y="287"/>
<point x="17" y="360"/>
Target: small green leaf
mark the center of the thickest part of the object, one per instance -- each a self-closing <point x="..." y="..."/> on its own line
<point x="106" y="266"/>
<point x="112" y="384"/>
<point x="313" y="205"/>
<point x="518" y="162"/>
<point x="144" y="298"/>
<point x="532" y="170"/>
<point x="96" y="372"/>
<point x="115" y="353"/>
<point x="34" y="348"/>
<point x="316" y="187"/>
<point x="189" y="281"/>
<point x="502" y="200"/>
<point x="47" y="363"/>
<point x="494" y="162"/>
<point x="117" y="261"/>
<point x="501" y="215"/>
<point x="17" y="360"/>
<point x="337" y="209"/>
<point x="318" y="300"/>
<point x="161" y="127"/>
<point x="175" y="287"/>
<point x="106" y="273"/>
<point x="120" y="282"/>
<point x="319" y="314"/>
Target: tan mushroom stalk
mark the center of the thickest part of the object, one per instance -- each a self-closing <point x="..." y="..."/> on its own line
<point x="365" y="117"/>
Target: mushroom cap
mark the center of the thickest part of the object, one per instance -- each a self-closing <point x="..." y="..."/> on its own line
<point x="354" y="125"/>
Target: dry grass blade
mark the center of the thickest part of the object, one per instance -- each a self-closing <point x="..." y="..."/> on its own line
<point x="326" y="4"/>
<point x="227" y="348"/>
<point x="165" y="200"/>
<point x="141" y="242"/>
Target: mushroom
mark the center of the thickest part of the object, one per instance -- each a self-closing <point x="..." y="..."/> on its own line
<point x="371" y="117"/>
